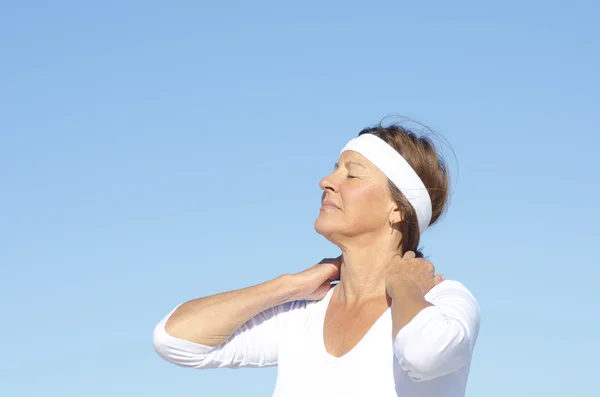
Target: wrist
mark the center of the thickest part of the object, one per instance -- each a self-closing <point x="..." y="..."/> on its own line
<point x="289" y="288"/>
<point x="404" y="289"/>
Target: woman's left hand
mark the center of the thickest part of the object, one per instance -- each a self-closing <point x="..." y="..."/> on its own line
<point x="409" y="273"/>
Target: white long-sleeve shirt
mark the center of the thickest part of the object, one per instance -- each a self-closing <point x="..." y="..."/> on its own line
<point x="429" y="357"/>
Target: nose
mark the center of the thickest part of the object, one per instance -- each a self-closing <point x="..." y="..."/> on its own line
<point x="328" y="184"/>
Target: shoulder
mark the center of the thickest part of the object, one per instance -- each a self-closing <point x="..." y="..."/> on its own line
<point x="295" y="308"/>
<point x="449" y="287"/>
<point x="299" y="313"/>
<point x="455" y="293"/>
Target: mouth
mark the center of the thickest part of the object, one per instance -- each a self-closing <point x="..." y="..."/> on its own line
<point x="327" y="205"/>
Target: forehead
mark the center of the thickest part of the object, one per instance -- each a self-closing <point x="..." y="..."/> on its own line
<point x="351" y="157"/>
<point x="355" y="160"/>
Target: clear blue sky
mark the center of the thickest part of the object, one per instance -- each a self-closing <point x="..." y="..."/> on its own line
<point x="153" y="152"/>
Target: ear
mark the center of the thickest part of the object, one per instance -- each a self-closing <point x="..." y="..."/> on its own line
<point x="395" y="216"/>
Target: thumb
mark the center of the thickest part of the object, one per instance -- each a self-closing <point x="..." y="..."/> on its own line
<point x="395" y="260"/>
<point x="409" y="255"/>
<point x="323" y="289"/>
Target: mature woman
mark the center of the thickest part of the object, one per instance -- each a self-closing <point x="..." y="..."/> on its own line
<point x="390" y="327"/>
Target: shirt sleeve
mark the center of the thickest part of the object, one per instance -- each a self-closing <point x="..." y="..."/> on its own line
<point x="254" y="344"/>
<point x="440" y="339"/>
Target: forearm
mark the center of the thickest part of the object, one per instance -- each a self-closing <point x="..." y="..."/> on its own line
<point x="439" y="339"/>
<point x="407" y="302"/>
<point x="212" y="320"/>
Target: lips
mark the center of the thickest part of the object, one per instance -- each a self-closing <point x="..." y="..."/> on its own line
<point x="328" y="204"/>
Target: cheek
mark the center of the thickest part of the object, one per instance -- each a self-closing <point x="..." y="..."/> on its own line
<point x="366" y="201"/>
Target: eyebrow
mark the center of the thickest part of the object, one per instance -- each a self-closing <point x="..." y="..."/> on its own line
<point x="348" y="163"/>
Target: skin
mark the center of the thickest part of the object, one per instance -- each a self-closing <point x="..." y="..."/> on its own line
<point x="357" y="214"/>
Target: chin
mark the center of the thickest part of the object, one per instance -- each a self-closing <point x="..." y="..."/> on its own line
<point x="326" y="228"/>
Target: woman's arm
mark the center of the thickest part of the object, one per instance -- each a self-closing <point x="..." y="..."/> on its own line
<point x="435" y="322"/>
<point x="440" y="339"/>
<point x="210" y="321"/>
<point x="252" y="344"/>
<point x="238" y="328"/>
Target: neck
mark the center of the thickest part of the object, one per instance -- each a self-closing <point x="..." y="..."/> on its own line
<point x="362" y="275"/>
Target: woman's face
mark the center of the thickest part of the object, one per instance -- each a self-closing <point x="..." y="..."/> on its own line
<point x="356" y="200"/>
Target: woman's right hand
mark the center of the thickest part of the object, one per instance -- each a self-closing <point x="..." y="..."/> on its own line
<point x="212" y="320"/>
<point x="313" y="283"/>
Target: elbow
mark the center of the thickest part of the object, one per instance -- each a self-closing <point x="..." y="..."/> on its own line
<point x="437" y="355"/>
<point x="159" y="343"/>
<point x="162" y="344"/>
<point x="177" y="351"/>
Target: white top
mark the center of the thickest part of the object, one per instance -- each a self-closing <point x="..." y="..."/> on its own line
<point x="430" y="356"/>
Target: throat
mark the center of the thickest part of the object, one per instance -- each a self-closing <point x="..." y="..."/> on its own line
<point x="344" y="327"/>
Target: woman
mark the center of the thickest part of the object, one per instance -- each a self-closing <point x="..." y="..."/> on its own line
<point x="390" y="327"/>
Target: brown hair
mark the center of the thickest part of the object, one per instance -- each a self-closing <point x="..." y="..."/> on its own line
<point x="422" y="156"/>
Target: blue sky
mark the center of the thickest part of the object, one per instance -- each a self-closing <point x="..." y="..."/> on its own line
<point x="152" y="152"/>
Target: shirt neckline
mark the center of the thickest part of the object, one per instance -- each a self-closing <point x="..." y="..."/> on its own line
<point x="321" y="328"/>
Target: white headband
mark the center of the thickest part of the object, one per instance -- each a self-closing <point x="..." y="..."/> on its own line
<point x="397" y="169"/>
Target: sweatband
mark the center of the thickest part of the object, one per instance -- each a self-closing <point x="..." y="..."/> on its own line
<point x="397" y="170"/>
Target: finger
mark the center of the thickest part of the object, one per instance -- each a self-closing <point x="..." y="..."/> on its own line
<point x="335" y="272"/>
<point x="409" y="255"/>
<point x="435" y="280"/>
<point x="328" y="262"/>
<point x="396" y="259"/>
<point x="431" y="267"/>
<point x="438" y="278"/>
<point x="331" y="267"/>
<point x="322" y="290"/>
<point x="428" y="265"/>
<point x="332" y="270"/>
<point x="338" y="261"/>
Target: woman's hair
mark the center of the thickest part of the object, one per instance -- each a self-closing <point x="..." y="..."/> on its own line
<point x="422" y="156"/>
